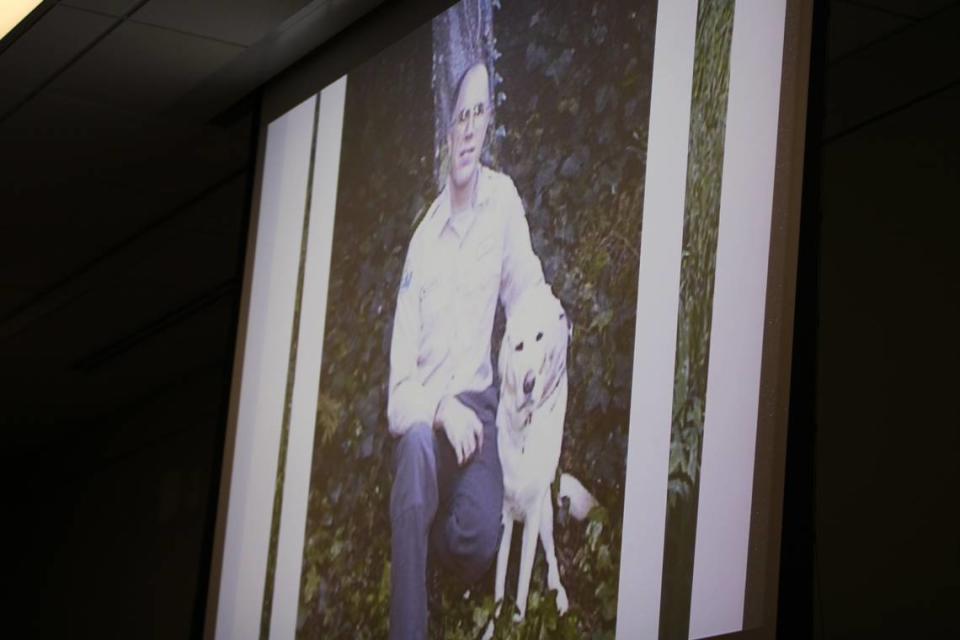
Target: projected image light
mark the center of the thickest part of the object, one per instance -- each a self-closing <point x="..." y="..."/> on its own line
<point x="502" y="350"/>
<point x="505" y="210"/>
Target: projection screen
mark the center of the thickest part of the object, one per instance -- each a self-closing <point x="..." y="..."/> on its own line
<point x="514" y="347"/>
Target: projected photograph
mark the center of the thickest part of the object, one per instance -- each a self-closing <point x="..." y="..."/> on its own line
<point x="469" y="460"/>
<point x="510" y="358"/>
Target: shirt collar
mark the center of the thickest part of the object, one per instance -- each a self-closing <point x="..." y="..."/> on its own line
<point x="463" y="222"/>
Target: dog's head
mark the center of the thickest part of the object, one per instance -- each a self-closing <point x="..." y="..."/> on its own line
<point x="533" y="354"/>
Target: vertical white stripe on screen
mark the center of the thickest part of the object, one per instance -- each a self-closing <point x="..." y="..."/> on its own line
<point x="736" y="345"/>
<point x="313" y="308"/>
<point x="648" y="451"/>
<point x="264" y="372"/>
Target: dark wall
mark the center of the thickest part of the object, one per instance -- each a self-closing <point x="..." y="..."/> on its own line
<point x="111" y="534"/>
<point x="887" y="441"/>
<point x="110" y="511"/>
<point x="871" y="539"/>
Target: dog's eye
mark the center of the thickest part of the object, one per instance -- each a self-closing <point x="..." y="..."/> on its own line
<point x="539" y="336"/>
<point x="519" y="347"/>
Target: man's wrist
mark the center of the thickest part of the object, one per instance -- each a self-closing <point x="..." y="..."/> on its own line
<point x="443" y="408"/>
<point x="438" y="414"/>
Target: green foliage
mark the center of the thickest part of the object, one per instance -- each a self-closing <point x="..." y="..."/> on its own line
<point x="711" y="73"/>
<point x="462" y="616"/>
<point x="572" y="134"/>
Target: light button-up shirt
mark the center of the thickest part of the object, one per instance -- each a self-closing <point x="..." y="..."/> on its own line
<point x="457" y="267"/>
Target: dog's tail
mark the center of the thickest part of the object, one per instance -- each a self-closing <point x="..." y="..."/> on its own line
<point x="581" y="500"/>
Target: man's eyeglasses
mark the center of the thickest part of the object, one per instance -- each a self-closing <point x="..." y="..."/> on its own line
<point x="465" y="115"/>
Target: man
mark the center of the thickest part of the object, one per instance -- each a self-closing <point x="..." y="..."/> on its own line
<point x="471" y="249"/>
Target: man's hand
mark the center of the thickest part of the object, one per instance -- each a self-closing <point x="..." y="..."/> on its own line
<point x="464" y="430"/>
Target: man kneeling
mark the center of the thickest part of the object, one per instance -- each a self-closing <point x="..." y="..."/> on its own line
<point x="471" y="249"/>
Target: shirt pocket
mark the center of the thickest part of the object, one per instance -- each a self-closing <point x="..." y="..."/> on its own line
<point x="482" y="271"/>
<point x="433" y="303"/>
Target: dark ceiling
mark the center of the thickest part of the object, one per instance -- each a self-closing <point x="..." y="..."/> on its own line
<point x="127" y="130"/>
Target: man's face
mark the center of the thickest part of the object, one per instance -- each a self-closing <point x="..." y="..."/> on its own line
<point x="469" y="126"/>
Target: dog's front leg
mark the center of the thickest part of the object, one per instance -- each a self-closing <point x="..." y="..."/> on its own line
<point x="531" y="531"/>
<point x="553" y="569"/>
<point x="503" y="557"/>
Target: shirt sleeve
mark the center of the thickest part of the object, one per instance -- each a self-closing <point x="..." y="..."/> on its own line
<point x="407" y="401"/>
<point x="521" y="266"/>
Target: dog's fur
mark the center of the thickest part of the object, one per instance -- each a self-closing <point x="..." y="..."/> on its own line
<point x="530" y="418"/>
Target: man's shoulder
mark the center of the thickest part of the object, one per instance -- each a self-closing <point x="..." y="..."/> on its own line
<point x="499" y="190"/>
<point x="428" y="219"/>
<point x="497" y="183"/>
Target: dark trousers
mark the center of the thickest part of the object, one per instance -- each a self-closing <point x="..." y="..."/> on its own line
<point x="439" y="509"/>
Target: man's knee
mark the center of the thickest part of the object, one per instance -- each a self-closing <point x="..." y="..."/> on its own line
<point x="416" y="443"/>
<point x="472" y="536"/>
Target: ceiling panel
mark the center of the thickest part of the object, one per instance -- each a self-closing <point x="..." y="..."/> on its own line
<point x="144" y="68"/>
<point x="951" y="95"/>
<point x="879" y="78"/>
<point x="123" y="221"/>
<point x="13" y="296"/>
<point x="64" y="142"/>
<point x="73" y="246"/>
<point x="258" y="64"/>
<point x="911" y="8"/>
<point x="56" y="246"/>
<point x="10" y="97"/>
<point x="216" y="214"/>
<point x="48" y="45"/>
<point x="107" y="313"/>
<point x="238" y="21"/>
<point x="112" y="7"/>
<point x="150" y="365"/>
<point x="852" y="26"/>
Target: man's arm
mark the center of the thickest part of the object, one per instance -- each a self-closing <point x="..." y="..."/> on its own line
<point x="407" y="401"/>
<point x="521" y="266"/>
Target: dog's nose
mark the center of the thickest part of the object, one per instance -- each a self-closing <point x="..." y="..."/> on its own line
<point x="528" y="381"/>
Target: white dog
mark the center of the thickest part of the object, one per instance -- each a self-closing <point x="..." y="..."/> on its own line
<point x="530" y="418"/>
